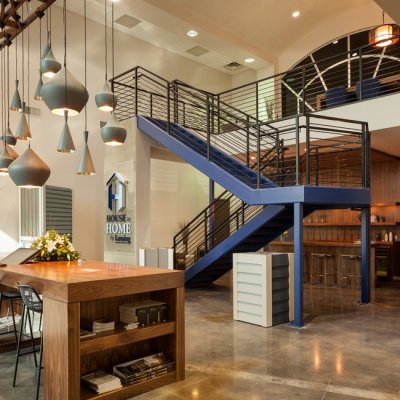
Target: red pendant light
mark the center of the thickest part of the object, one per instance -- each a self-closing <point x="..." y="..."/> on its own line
<point x="384" y="35"/>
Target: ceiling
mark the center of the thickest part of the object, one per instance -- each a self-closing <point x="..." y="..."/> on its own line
<point x="231" y="30"/>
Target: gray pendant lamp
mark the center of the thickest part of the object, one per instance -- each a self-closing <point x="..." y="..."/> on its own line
<point x="105" y="100"/>
<point x="9" y="138"/>
<point x="86" y="166"/>
<point x="38" y="95"/>
<point x="113" y="134"/>
<point x="29" y="170"/>
<point x="23" y="131"/>
<point x="66" y="144"/>
<point x="42" y="55"/>
<point x="12" y="153"/>
<point x="16" y="103"/>
<point x="5" y="157"/>
<point x="49" y="66"/>
<point x="64" y="92"/>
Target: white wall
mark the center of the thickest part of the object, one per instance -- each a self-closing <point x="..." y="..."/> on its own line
<point x="178" y="193"/>
<point x="88" y="206"/>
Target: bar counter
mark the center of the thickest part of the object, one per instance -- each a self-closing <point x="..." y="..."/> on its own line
<point x="95" y="289"/>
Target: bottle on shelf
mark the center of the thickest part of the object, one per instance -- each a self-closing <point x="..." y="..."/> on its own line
<point x="386" y="237"/>
<point x="390" y="236"/>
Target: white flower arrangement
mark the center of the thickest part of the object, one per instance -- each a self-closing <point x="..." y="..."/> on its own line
<point x="54" y="247"/>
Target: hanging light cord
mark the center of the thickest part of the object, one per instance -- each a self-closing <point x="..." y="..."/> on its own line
<point x="105" y="36"/>
<point x="16" y="57"/>
<point x="40" y="38"/>
<point x="28" y="11"/>
<point x="8" y="86"/>
<point x="2" y="95"/>
<point x="112" y="38"/>
<point x="23" y="66"/>
<point x="65" y="49"/>
<point x="84" y="12"/>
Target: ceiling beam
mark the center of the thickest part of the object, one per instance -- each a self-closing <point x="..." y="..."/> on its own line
<point x="12" y="22"/>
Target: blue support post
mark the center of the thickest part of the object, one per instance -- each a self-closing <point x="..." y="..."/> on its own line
<point x="365" y="256"/>
<point x="298" y="265"/>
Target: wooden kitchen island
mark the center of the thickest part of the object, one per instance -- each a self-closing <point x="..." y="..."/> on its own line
<point x="93" y="290"/>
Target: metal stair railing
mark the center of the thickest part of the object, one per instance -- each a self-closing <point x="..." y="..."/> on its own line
<point x="201" y="234"/>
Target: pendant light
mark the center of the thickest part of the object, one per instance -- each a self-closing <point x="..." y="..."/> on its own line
<point x="23" y="131"/>
<point x="64" y="92"/>
<point x="384" y="35"/>
<point x="113" y="134"/>
<point x="16" y="104"/>
<point x="66" y="144"/>
<point x="49" y="66"/>
<point x="29" y="170"/>
<point x="5" y="157"/>
<point x="86" y="166"/>
<point x="9" y="138"/>
<point x="37" y="95"/>
<point x="105" y="100"/>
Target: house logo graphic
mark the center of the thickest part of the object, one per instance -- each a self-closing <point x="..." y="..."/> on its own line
<point x="117" y="192"/>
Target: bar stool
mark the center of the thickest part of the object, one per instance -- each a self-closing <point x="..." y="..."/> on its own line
<point x="350" y="270"/>
<point x="10" y="296"/>
<point x="32" y="303"/>
<point x="322" y="269"/>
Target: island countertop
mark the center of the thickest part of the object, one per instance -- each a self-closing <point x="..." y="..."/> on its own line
<point x="76" y="281"/>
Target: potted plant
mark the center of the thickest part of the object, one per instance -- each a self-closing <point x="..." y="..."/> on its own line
<point x="54" y="247"/>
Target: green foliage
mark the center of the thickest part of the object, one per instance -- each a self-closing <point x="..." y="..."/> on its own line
<point x="54" y="247"/>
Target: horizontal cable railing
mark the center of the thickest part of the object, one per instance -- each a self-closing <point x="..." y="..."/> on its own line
<point x="356" y="75"/>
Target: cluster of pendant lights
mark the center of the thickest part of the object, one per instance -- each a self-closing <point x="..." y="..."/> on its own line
<point x="64" y="95"/>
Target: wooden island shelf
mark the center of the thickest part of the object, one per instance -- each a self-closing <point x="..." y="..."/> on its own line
<point x="93" y="290"/>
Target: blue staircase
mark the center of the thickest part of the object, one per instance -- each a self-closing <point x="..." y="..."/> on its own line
<point x="220" y="140"/>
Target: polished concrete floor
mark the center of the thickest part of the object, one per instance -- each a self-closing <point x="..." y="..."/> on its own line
<point x="346" y="351"/>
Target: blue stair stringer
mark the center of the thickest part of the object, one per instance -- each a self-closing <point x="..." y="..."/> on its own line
<point x="224" y="169"/>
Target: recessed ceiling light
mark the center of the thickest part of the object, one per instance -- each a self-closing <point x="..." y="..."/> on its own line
<point x="336" y="42"/>
<point x="192" y="33"/>
<point x="249" y="60"/>
<point x="295" y="14"/>
<point x="354" y="54"/>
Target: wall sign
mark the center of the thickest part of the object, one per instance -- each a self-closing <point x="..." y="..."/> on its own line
<point x="118" y="225"/>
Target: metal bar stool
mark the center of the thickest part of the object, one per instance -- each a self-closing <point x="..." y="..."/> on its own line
<point x="10" y="296"/>
<point x="32" y="303"/>
<point x="350" y="270"/>
<point x="322" y="269"/>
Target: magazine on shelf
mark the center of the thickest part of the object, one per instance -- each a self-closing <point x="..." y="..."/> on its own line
<point x="101" y="381"/>
<point x="144" y="368"/>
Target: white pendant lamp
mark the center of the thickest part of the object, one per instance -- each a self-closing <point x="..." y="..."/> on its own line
<point x="9" y="138"/>
<point x="86" y="166"/>
<point x="5" y="160"/>
<point x="66" y="144"/>
<point x="29" y="170"/>
<point x="37" y="95"/>
<point x="105" y="100"/>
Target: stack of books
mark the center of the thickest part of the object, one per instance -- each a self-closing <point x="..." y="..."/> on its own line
<point x="98" y="325"/>
<point x="143" y="369"/>
<point x="144" y="313"/>
<point x="102" y="382"/>
<point x="85" y="334"/>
